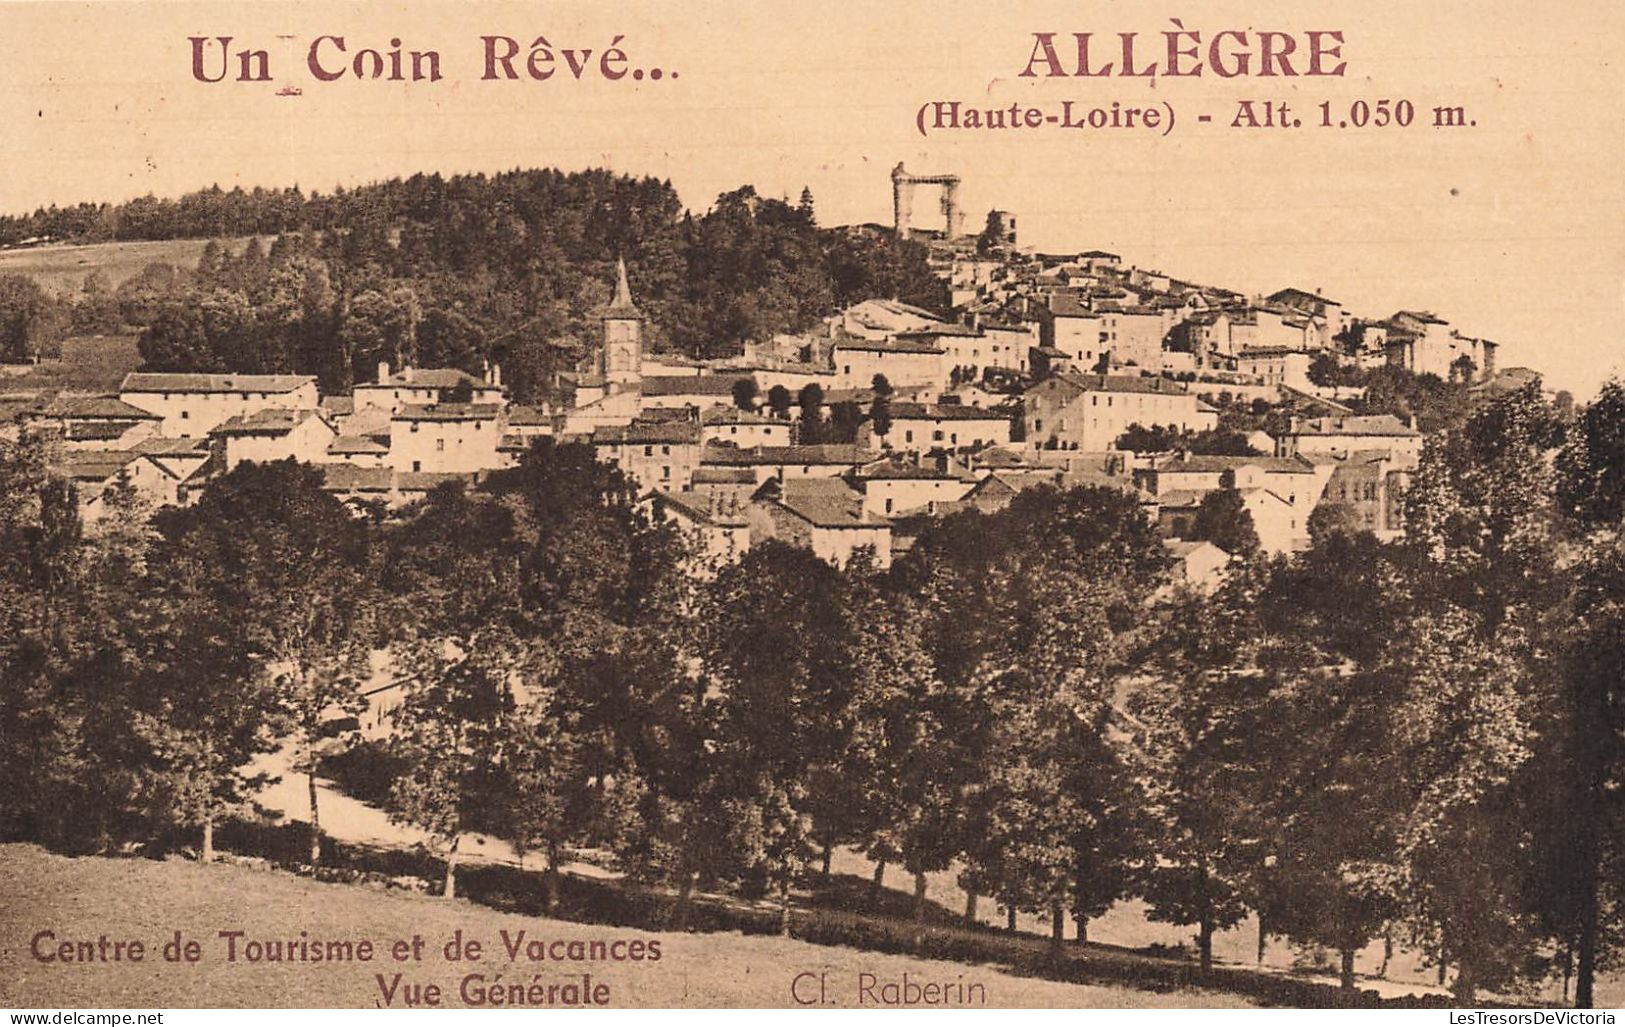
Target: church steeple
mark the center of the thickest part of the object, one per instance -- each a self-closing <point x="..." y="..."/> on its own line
<point x="621" y="306"/>
<point x="621" y="359"/>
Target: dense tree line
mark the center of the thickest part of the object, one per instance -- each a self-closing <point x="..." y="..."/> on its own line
<point x="1421" y="741"/>
<point x="511" y="268"/>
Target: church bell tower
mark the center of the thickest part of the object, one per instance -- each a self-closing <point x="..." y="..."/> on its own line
<point x="620" y="362"/>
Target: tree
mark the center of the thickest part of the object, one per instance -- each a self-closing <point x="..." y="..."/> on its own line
<point x="778" y="401"/>
<point x="547" y="798"/>
<point x="1155" y="439"/>
<point x="289" y="567"/>
<point x="880" y="416"/>
<point x="1330" y="518"/>
<point x="779" y="654"/>
<point x="744" y="394"/>
<point x="1222" y="519"/>
<point x="209" y="707"/>
<point x="96" y="311"/>
<point x="811" y="401"/>
<point x="1195" y="728"/>
<point x="32" y="323"/>
<point x="449" y="733"/>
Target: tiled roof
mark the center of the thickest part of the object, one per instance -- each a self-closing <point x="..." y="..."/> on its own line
<point x="423" y="481"/>
<point x="640" y="433"/>
<point x="98" y="430"/>
<point x="733" y="415"/>
<point x="270" y="421"/>
<point x="759" y="455"/>
<point x="448" y="412"/>
<point x="357" y="444"/>
<point x="706" y="505"/>
<point x="438" y="378"/>
<point x="350" y="478"/>
<point x="891" y="468"/>
<point x="139" y="381"/>
<point x="1194" y="463"/>
<point x="690" y="384"/>
<point x="1116" y="383"/>
<point x="93" y="464"/>
<point x="945" y="412"/>
<point x="1371" y="424"/>
<point x="724" y="476"/>
<point x="822" y="502"/>
<point x="160" y="446"/>
<point x="897" y="345"/>
<point x="528" y="416"/>
<point x="96" y="408"/>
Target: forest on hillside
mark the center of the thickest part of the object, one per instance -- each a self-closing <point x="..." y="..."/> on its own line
<point x="456" y="271"/>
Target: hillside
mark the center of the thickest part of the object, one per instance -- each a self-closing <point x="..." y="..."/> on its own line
<point x="149" y="900"/>
<point x="61" y="269"/>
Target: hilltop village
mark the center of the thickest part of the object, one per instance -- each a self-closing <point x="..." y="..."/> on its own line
<point x="1049" y="369"/>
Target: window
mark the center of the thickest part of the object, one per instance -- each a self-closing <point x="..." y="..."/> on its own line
<point x="648" y="451"/>
<point x="665" y="472"/>
<point x="888" y="505"/>
<point x="414" y="426"/>
<point x="439" y="445"/>
<point x="186" y="415"/>
<point x="417" y="465"/>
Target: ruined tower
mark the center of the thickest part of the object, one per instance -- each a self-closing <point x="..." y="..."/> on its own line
<point x="902" y="198"/>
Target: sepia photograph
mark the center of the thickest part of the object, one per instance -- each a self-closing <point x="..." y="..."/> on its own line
<point x="812" y="506"/>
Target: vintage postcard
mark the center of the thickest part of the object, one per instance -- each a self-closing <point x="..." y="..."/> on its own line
<point x="907" y="505"/>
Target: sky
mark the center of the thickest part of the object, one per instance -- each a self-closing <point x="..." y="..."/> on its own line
<point x="1512" y="228"/>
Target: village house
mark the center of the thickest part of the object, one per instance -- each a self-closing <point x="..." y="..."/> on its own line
<point x="787" y="463"/>
<point x="923" y="427"/>
<point x="823" y="515"/>
<point x="98" y="474"/>
<point x="92" y="422"/>
<point x="359" y="450"/>
<point x="712" y="518"/>
<point x="1200" y="565"/>
<point x="192" y="405"/>
<point x="189" y="461"/>
<point x="733" y="426"/>
<point x="879" y="319"/>
<point x="694" y="391"/>
<point x="1274" y="365"/>
<point x="1089" y="412"/>
<point x="1134" y="335"/>
<point x="1424" y="343"/>
<point x="446" y="437"/>
<point x="655" y="454"/>
<point x="1072" y="331"/>
<point x="896" y="487"/>
<point x="903" y="362"/>
<point x="1326" y="316"/>
<point x="273" y="434"/>
<point x="1342" y="436"/>
<point x="424" y="386"/>
<point x="1371" y="484"/>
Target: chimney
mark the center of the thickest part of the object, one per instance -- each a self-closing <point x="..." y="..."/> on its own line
<point x="383" y="372"/>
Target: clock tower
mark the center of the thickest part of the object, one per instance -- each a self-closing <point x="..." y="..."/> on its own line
<point x="620" y="362"/>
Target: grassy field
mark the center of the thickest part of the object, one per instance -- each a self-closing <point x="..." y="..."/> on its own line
<point x="147" y="900"/>
<point x="89" y="363"/>
<point x="62" y="268"/>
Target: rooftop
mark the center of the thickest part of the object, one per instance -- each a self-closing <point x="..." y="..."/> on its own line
<point x="448" y="412"/>
<point x="269" y="421"/>
<point x="140" y="381"/>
